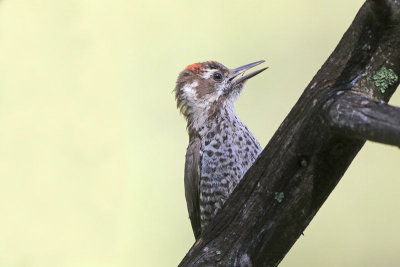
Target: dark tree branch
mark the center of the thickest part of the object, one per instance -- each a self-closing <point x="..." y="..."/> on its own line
<point x="366" y="119"/>
<point x="313" y="147"/>
<point x="386" y="8"/>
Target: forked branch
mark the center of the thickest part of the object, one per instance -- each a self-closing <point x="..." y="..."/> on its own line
<point x="364" y="118"/>
<point x="312" y="149"/>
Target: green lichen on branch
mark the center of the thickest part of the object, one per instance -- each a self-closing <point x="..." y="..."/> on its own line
<point x="385" y="78"/>
<point x="366" y="47"/>
<point x="279" y="196"/>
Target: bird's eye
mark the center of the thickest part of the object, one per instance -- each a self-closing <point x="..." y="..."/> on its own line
<point x="217" y="76"/>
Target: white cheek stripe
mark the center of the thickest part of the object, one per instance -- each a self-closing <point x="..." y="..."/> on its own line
<point x="207" y="74"/>
<point x="189" y="90"/>
<point x="197" y="108"/>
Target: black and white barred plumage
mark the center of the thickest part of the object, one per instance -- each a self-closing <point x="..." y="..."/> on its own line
<point x="221" y="148"/>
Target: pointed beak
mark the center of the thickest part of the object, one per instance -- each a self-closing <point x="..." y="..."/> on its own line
<point x="236" y="72"/>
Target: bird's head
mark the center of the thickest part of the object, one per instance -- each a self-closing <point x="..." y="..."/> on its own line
<point x="204" y="88"/>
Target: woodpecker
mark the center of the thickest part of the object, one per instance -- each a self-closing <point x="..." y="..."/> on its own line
<point x="221" y="148"/>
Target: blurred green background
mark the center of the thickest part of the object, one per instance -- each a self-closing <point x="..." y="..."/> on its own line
<point x="92" y="147"/>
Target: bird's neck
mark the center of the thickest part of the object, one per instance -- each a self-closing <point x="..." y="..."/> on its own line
<point x="202" y="122"/>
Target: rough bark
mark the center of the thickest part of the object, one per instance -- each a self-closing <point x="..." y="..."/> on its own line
<point x="343" y="106"/>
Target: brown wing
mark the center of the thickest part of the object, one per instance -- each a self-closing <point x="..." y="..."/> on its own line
<point x="192" y="183"/>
